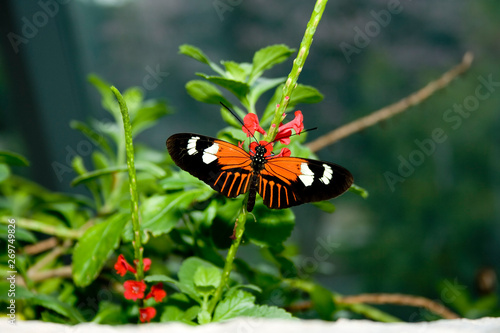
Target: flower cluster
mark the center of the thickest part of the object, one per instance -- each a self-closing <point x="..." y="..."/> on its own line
<point x="134" y="290"/>
<point x="251" y="125"/>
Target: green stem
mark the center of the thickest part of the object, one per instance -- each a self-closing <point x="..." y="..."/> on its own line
<point x="129" y="147"/>
<point x="298" y="64"/>
<point x="231" y="254"/>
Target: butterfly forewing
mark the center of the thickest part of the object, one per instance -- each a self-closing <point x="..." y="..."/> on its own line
<point x="223" y="166"/>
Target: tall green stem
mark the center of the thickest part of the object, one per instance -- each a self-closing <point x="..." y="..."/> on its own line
<point x="290" y="84"/>
<point x="134" y="198"/>
<point x="298" y="64"/>
<point x="231" y="254"/>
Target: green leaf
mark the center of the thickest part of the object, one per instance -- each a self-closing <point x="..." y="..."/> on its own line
<point x="173" y="313"/>
<point x="21" y="234"/>
<point x="206" y="279"/>
<point x="265" y="311"/>
<point x="160" y="278"/>
<point x="4" y="172"/>
<point x="272" y="227"/>
<point x="305" y="94"/>
<point x="11" y="158"/>
<point x="186" y="276"/>
<point x="45" y="301"/>
<point x="359" y="191"/>
<point x="323" y="303"/>
<point x="205" y="92"/>
<point x="94" y="248"/>
<point x="325" y="206"/>
<point x="194" y="52"/>
<point x="267" y="57"/>
<point x="97" y="138"/>
<point x="147" y="116"/>
<point x="239" y="89"/>
<point x="233" y="305"/>
<point x="109" y="314"/>
<point x="149" y="167"/>
<point x="234" y="71"/>
<point x="107" y="99"/>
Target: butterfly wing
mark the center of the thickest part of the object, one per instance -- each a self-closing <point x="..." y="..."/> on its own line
<point x="291" y="181"/>
<point x="222" y="165"/>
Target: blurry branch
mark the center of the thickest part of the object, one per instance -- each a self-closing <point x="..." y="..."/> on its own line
<point x="399" y="299"/>
<point x="64" y="272"/>
<point x="41" y="246"/>
<point x="34" y="271"/>
<point x="393" y="109"/>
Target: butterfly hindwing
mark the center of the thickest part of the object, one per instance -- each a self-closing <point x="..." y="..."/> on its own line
<point x="291" y="181"/>
<point x="222" y="165"/>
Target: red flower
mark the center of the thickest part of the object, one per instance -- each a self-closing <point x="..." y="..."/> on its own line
<point x="134" y="289"/>
<point x="122" y="266"/>
<point x="146" y="314"/>
<point x="251" y="125"/>
<point x="157" y="292"/>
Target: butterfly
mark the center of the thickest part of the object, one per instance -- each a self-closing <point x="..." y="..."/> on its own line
<point x="281" y="181"/>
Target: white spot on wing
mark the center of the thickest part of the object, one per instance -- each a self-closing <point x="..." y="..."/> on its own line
<point x="191" y="146"/>
<point x="209" y="154"/>
<point x="327" y="174"/>
<point x="306" y="175"/>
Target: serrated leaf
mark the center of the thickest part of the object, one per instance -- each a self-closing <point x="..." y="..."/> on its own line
<point x="205" y="92"/>
<point x="11" y="158"/>
<point x="239" y="89"/>
<point x="325" y="206"/>
<point x="272" y="227"/>
<point x="233" y="305"/>
<point x="94" y="248"/>
<point x="359" y="191"/>
<point x="267" y="57"/>
<point x="186" y="276"/>
<point x="265" y="311"/>
<point x="206" y="279"/>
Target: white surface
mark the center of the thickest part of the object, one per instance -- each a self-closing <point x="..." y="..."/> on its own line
<point x="251" y="325"/>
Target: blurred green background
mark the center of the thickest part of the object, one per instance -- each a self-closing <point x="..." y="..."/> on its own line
<point x="438" y="227"/>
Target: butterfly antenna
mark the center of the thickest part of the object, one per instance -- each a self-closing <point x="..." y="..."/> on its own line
<point x="238" y="118"/>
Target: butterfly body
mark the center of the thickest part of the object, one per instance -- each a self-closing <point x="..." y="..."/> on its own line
<point x="281" y="181"/>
